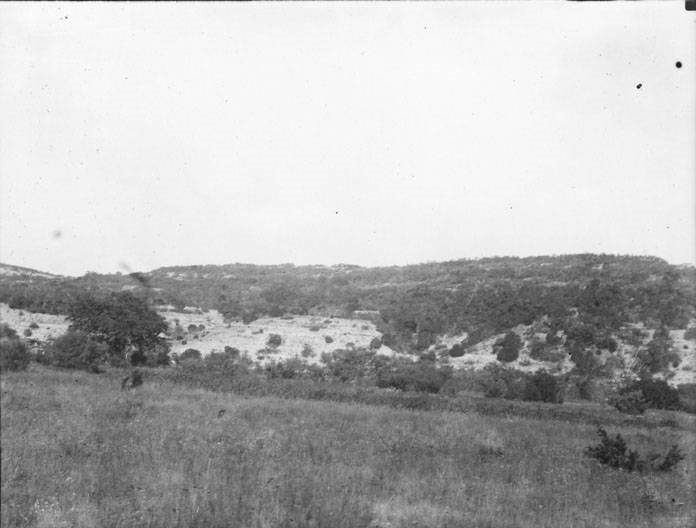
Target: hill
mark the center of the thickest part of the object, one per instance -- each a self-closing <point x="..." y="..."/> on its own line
<point x="411" y="304"/>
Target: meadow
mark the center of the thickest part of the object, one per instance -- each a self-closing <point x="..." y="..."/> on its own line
<point x="77" y="451"/>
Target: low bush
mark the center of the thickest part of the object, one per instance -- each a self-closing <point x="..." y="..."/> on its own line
<point x="614" y="453"/>
<point x="503" y="382"/>
<point x="536" y="347"/>
<point x="33" y="325"/>
<point x="188" y="354"/>
<point x="457" y="350"/>
<point x="293" y="368"/>
<point x="508" y="348"/>
<point x="420" y="377"/>
<point x="375" y="343"/>
<point x="13" y="352"/>
<point x="232" y="351"/>
<point x="542" y="386"/>
<point x="27" y="332"/>
<point x="690" y="333"/>
<point x="76" y="350"/>
<point x="687" y="397"/>
<point x="657" y="356"/>
<point x="630" y="402"/>
<point x="656" y="393"/>
<point x="328" y="339"/>
<point x="307" y="351"/>
<point x="351" y="364"/>
<point x="274" y="340"/>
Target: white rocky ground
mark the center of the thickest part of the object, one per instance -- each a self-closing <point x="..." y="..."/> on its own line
<point x="295" y="332"/>
<point x="298" y="332"/>
<point x="49" y="326"/>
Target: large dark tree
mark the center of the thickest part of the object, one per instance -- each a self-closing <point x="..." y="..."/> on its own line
<point x="121" y="320"/>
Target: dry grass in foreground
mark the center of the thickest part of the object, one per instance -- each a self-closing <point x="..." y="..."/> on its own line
<point x="78" y="452"/>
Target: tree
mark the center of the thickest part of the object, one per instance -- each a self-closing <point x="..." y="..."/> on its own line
<point x="119" y="320"/>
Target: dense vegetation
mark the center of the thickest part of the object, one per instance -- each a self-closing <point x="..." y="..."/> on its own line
<point x="588" y="297"/>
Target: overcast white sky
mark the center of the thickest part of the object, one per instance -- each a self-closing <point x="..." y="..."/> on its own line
<point x="366" y="133"/>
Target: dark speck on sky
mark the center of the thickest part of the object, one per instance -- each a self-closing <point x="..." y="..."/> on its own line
<point x="639" y="85"/>
<point x="678" y="64"/>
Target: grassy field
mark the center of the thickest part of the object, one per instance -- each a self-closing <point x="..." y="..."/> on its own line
<point x="77" y="451"/>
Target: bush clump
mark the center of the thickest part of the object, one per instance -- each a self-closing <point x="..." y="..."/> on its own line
<point x="503" y="382"/>
<point x="328" y="339"/>
<point x="274" y="341"/>
<point x="33" y="325"/>
<point x="542" y="386"/>
<point x="508" y="348"/>
<point x="13" y="352"/>
<point x="420" y="377"/>
<point x="457" y="350"/>
<point x="656" y="393"/>
<point x="629" y="402"/>
<point x="614" y="453"/>
<point x="77" y="350"/>
<point x="189" y="354"/>
<point x="376" y="343"/>
<point x="307" y="351"/>
<point x="690" y="333"/>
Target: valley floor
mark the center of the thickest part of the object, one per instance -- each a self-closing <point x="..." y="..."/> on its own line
<point x="79" y="452"/>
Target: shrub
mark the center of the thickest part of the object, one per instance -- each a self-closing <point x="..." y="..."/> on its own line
<point x="293" y="368"/>
<point x="201" y="327"/>
<point x="315" y="328"/>
<point x="552" y="339"/>
<point x="232" y="352"/>
<point x="27" y="332"/>
<point x="154" y="356"/>
<point x="536" y="349"/>
<point x="551" y="355"/>
<point x="13" y="353"/>
<point x="508" y="348"/>
<point x="656" y="393"/>
<point x="349" y="365"/>
<point x="222" y="361"/>
<point x="375" y="343"/>
<point x="190" y="353"/>
<point x="33" y="325"/>
<point x="274" y="341"/>
<point x="192" y="328"/>
<point x="421" y="377"/>
<point x="7" y="332"/>
<point x="475" y="336"/>
<point x="328" y="339"/>
<point x="630" y="402"/>
<point x="614" y="453"/>
<point x="503" y="382"/>
<point x="77" y="350"/>
<point x="457" y="350"/>
<point x="690" y="333"/>
<point x="542" y="386"/>
<point x="658" y="355"/>
<point x="307" y="351"/>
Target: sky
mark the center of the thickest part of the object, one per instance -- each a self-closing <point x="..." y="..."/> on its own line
<point x="139" y="135"/>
